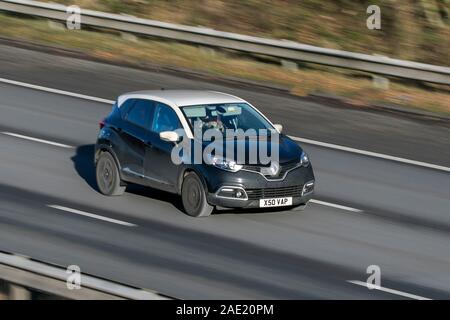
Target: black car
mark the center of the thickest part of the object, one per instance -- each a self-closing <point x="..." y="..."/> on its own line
<point x="149" y="138"/>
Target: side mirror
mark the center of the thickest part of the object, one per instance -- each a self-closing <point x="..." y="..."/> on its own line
<point x="169" y="136"/>
<point x="279" y="127"/>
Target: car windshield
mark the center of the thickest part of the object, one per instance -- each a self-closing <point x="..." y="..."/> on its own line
<point x="235" y="116"/>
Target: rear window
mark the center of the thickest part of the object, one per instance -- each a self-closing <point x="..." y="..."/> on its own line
<point x="141" y="113"/>
<point x="126" y="106"/>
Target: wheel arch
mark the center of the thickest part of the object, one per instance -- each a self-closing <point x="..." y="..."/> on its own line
<point x="184" y="172"/>
<point x="107" y="148"/>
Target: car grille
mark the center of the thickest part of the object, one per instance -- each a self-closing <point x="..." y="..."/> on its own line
<point x="284" y="168"/>
<point x="255" y="194"/>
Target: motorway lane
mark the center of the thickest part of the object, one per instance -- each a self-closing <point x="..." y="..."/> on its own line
<point x="401" y="191"/>
<point x="175" y="254"/>
<point x="228" y="255"/>
<point x="393" y="190"/>
<point x="351" y="127"/>
<point x="171" y="260"/>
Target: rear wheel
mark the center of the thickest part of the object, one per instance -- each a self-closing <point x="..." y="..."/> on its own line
<point x="107" y="175"/>
<point x="193" y="196"/>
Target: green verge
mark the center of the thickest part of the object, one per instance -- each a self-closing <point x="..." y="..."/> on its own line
<point x="417" y="30"/>
<point x="356" y="88"/>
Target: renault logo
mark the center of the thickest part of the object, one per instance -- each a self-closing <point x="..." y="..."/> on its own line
<point x="274" y="169"/>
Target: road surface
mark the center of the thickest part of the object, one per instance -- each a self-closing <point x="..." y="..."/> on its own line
<point x="367" y="210"/>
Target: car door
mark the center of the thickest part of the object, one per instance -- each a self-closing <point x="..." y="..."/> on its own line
<point x="135" y="136"/>
<point x="158" y="163"/>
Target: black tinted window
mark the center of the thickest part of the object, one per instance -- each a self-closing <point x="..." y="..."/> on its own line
<point x="140" y="113"/>
<point x="165" y="119"/>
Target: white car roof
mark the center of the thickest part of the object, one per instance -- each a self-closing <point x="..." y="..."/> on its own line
<point x="182" y="98"/>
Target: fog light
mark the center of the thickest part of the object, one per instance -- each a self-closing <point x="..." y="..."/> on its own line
<point x="308" y="188"/>
<point x="232" y="193"/>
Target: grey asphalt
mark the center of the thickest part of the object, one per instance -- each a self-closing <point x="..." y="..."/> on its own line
<point x="403" y="225"/>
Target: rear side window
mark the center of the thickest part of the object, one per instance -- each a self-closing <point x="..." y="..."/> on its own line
<point x="165" y="119"/>
<point x="126" y="106"/>
<point x="140" y="113"/>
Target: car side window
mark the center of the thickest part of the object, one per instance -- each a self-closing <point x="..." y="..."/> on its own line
<point x="126" y="106"/>
<point x="165" y="119"/>
<point x="140" y="113"/>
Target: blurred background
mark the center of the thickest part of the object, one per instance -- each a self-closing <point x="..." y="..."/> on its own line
<point x="412" y="29"/>
<point x="416" y="30"/>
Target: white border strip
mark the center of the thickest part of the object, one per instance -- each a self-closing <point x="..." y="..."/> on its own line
<point x="303" y="140"/>
<point x="392" y="291"/>
<point x="371" y="154"/>
<point x="37" y="140"/>
<point x="91" y="215"/>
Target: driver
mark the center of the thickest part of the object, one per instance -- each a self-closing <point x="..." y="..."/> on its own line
<point x="213" y="122"/>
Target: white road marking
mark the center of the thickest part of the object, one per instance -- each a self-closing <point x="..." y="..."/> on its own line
<point x="91" y="215"/>
<point x="303" y="140"/>
<point x="338" y="206"/>
<point x="37" y="140"/>
<point x="57" y="91"/>
<point x="371" y="154"/>
<point x="392" y="291"/>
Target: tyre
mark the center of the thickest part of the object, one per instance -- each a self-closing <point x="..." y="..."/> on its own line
<point x="107" y="175"/>
<point x="193" y="196"/>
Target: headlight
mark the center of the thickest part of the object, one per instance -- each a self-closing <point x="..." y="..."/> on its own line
<point x="224" y="164"/>
<point x="304" y="159"/>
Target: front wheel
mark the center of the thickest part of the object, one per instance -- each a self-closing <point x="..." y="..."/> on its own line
<point x="193" y="196"/>
<point x="107" y="175"/>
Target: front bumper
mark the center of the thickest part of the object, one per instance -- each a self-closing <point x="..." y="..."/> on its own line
<point x="257" y="187"/>
<point x="233" y="203"/>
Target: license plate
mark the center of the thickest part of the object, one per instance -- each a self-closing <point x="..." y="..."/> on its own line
<point x="275" y="202"/>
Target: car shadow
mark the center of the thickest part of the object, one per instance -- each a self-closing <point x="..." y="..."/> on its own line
<point x="83" y="162"/>
<point x="225" y="211"/>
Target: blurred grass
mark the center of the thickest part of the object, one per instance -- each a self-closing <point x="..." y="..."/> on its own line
<point x="358" y="90"/>
<point x="409" y="27"/>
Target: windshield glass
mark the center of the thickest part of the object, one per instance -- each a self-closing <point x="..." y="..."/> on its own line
<point x="221" y="117"/>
